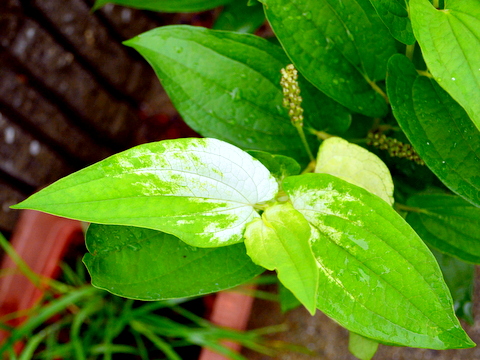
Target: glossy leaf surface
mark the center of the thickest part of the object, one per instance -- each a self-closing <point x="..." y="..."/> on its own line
<point x="150" y="265"/>
<point x="448" y="223"/>
<point x="370" y="262"/>
<point x="450" y="42"/>
<point x="394" y="15"/>
<point x="356" y="165"/>
<point x="165" y="5"/>
<point x="437" y="127"/>
<point x="339" y="46"/>
<point x="201" y="190"/>
<point x="280" y="241"/>
<point x="227" y="85"/>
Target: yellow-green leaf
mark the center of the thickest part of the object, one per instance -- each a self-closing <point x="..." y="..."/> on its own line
<point x="281" y="241"/>
<point x="356" y="165"/>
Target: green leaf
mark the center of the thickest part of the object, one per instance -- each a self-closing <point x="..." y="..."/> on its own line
<point x="361" y="347"/>
<point x="437" y="127"/>
<point x="394" y="14"/>
<point x="448" y="223"/>
<point x="450" y="43"/>
<point x="460" y="279"/>
<point x="241" y="17"/>
<point x="227" y="85"/>
<point x="341" y="47"/>
<point x="280" y="241"/>
<point x="150" y="265"/>
<point x="356" y="165"/>
<point x="370" y="262"/>
<point x="201" y="190"/>
<point x="165" y="5"/>
<point x="279" y="166"/>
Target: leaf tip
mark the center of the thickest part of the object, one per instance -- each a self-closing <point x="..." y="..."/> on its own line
<point x="19" y="206"/>
<point x="129" y="42"/>
<point x="312" y="309"/>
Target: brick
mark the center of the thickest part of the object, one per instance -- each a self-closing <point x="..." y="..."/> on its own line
<point x="91" y="39"/>
<point x="10" y="6"/>
<point x="25" y="158"/>
<point x="46" y="118"/>
<point x="126" y="22"/>
<point x="34" y="49"/>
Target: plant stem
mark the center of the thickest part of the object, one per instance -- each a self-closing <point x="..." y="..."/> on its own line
<point x="436" y="4"/>
<point x="403" y="207"/>
<point x="304" y="141"/>
<point x="378" y="90"/>
<point x="425" y="73"/>
<point x="321" y="135"/>
<point x="310" y="167"/>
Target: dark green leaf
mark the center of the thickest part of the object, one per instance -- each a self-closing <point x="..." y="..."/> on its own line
<point x="279" y="166"/>
<point x="288" y="301"/>
<point x="150" y="265"/>
<point x="370" y="262"/>
<point x="227" y="85"/>
<point x="450" y="42"/>
<point x="241" y="17"/>
<point x="448" y="223"/>
<point x="437" y="127"/>
<point x="165" y="5"/>
<point x="460" y="278"/>
<point x="341" y="47"/>
<point x="394" y="14"/>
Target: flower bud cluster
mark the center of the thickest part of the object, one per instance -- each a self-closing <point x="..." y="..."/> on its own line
<point x="394" y="147"/>
<point x="291" y="95"/>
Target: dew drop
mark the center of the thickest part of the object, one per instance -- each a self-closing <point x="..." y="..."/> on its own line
<point x="234" y="93"/>
<point x="453" y="79"/>
<point x="308" y="15"/>
<point x="349" y="34"/>
<point x="329" y="43"/>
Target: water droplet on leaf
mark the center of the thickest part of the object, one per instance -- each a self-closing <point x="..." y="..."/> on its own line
<point x="308" y="15"/>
